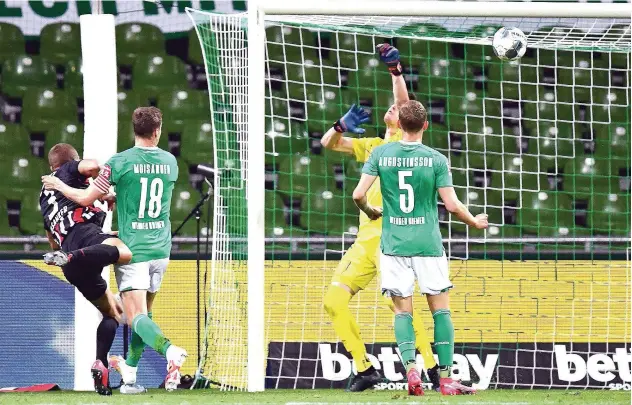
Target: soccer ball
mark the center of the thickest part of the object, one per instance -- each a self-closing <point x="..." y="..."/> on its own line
<point x="509" y="43"/>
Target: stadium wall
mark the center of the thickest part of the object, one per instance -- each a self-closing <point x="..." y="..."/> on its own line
<point x="539" y="323"/>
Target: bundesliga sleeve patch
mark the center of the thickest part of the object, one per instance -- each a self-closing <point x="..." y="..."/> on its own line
<point x="102" y="182"/>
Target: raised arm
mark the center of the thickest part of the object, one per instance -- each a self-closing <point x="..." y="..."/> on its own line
<point x="390" y="56"/>
<point x="89" y="168"/>
<point x="350" y="122"/>
<point x="457" y="208"/>
<point x="359" y="197"/>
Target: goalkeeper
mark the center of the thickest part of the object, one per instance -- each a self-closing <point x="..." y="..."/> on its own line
<point x="359" y="265"/>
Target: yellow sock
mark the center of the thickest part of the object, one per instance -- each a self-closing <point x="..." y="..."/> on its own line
<point x="336" y="304"/>
<point x="422" y="342"/>
<point x="421" y="338"/>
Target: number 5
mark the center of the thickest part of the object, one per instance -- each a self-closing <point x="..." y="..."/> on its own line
<point x="406" y="202"/>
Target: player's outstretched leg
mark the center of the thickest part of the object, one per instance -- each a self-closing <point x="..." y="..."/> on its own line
<point x="444" y="345"/>
<point x="336" y="303"/>
<point x="111" y="251"/>
<point x="423" y="346"/>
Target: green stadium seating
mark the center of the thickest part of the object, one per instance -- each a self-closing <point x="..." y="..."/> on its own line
<point x="155" y="73"/>
<point x="183" y="200"/>
<point x="323" y="209"/>
<point x="545" y="108"/>
<point x="128" y="101"/>
<point x="11" y="41"/>
<point x="585" y="175"/>
<point x="610" y="214"/>
<point x="133" y="39"/>
<point x="195" y="54"/>
<point x="184" y="105"/>
<point x="125" y="135"/>
<point x="612" y="140"/>
<point x="13" y="139"/>
<point x="546" y="214"/>
<point x="23" y="170"/>
<point x="197" y="141"/>
<point x="42" y="107"/>
<point x="301" y="174"/>
<point x="513" y="173"/>
<point x="415" y="48"/>
<point x="512" y="80"/>
<point x="73" y="78"/>
<point x="480" y="53"/>
<point x="444" y="77"/>
<point x="23" y="72"/>
<point x="65" y="132"/>
<point x="60" y="42"/>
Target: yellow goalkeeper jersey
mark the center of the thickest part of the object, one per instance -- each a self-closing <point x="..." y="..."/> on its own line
<point x="362" y="149"/>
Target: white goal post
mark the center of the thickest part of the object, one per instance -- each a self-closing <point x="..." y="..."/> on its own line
<point x="342" y="13"/>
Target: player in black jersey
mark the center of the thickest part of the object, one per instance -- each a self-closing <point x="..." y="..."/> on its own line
<point x="82" y="249"/>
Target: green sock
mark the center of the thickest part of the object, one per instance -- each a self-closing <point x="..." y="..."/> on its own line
<point x="405" y="337"/>
<point x="444" y="340"/>
<point x="136" y="348"/>
<point x="150" y="333"/>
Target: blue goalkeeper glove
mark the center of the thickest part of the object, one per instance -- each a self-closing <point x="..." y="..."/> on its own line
<point x="390" y="55"/>
<point x="351" y="121"/>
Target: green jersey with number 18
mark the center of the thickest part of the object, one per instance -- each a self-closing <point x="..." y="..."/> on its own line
<point x="143" y="178"/>
<point x="410" y="175"/>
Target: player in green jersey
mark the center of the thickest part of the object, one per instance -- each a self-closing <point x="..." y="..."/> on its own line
<point x="411" y="175"/>
<point x="143" y="177"/>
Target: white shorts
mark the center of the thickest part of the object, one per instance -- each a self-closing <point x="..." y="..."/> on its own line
<point x="398" y="275"/>
<point x="141" y="276"/>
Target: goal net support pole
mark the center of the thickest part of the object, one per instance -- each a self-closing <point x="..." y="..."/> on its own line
<point x="220" y="31"/>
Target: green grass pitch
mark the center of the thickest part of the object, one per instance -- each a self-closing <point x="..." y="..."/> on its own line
<point x="322" y="397"/>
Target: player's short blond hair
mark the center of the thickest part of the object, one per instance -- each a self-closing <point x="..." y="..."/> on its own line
<point x="412" y="116"/>
<point x="60" y="154"/>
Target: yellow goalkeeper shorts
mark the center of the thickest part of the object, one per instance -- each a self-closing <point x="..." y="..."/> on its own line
<point x="359" y="265"/>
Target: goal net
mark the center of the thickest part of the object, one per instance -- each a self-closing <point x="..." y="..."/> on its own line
<point x="542" y="145"/>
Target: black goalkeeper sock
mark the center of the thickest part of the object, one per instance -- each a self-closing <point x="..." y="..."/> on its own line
<point x="105" y="337"/>
<point x="94" y="256"/>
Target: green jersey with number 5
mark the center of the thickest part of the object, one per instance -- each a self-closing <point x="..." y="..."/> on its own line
<point x="410" y="175"/>
<point x="144" y="178"/>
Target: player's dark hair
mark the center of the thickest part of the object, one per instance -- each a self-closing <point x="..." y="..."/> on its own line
<point x="146" y="120"/>
<point x="60" y="154"/>
<point x="412" y="116"/>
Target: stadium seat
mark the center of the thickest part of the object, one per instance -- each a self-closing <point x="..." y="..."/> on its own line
<point x="612" y="140"/>
<point x="125" y="135"/>
<point x="128" y="101"/>
<point x="23" y="170"/>
<point x="66" y="132"/>
<point x="444" y="77"/>
<point x="155" y="73"/>
<point x="511" y="80"/>
<point x="301" y="174"/>
<point x="60" y="42"/>
<point x="11" y="41"/>
<point x="546" y="214"/>
<point x="183" y="200"/>
<point x="13" y="139"/>
<point x="419" y="47"/>
<point x="73" y="78"/>
<point x="184" y="105"/>
<point x="25" y="202"/>
<point x="546" y="108"/>
<point x="42" y="107"/>
<point x="610" y="106"/>
<point x="322" y="211"/>
<point x="610" y="214"/>
<point x="514" y="173"/>
<point x="133" y="39"/>
<point x="23" y="72"/>
<point x="480" y="53"/>
<point x="195" y="54"/>
<point x="585" y="175"/>
<point x="197" y="141"/>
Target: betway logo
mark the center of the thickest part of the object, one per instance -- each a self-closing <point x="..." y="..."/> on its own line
<point x="337" y="367"/>
<point x="599" y="367"/>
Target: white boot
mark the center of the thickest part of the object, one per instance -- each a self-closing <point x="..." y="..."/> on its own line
<point x="176" y="357"/>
